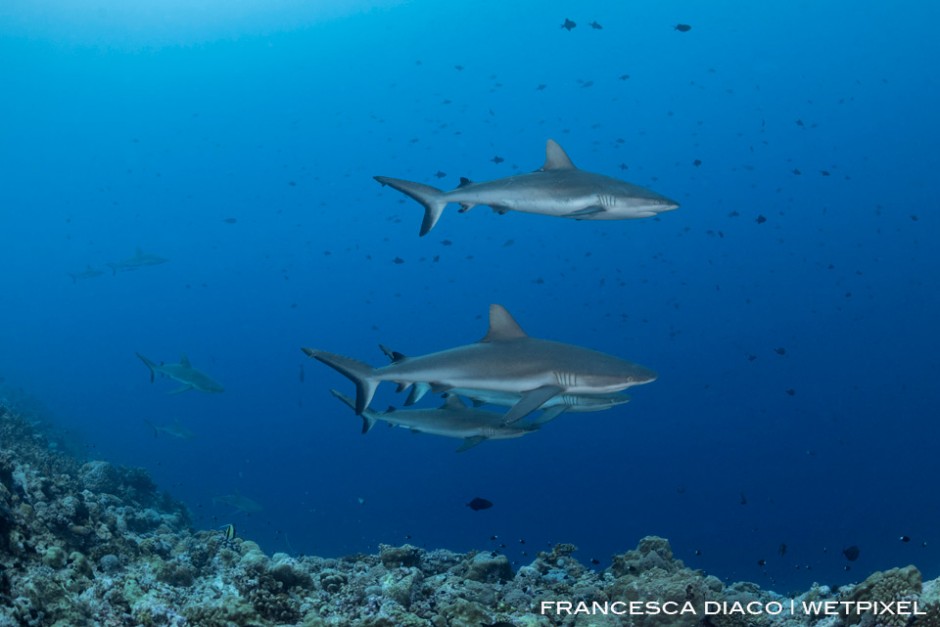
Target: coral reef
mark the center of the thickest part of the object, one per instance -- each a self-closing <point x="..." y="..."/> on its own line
<point x="97" y="544"/>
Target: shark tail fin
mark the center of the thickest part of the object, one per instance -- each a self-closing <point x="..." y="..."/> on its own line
<point x="431" y="198"/>
<point x="368" y="416"/>
<point x="360" y="373"/>
<point x="149" y="364"/>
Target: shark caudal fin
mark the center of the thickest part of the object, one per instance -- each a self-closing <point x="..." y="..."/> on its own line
<point x="356" y="371"/>
<point x="149" y="364"/>
<point x="432" y="198"/>
<point x="368" y="416"/>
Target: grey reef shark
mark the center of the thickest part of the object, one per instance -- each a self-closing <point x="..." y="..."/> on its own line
<point x="183" y="373"/>
<point x="551" y="409"/>
<point x="139" y="260"/>
<point x="506" y="360"/>
<point x="453" y="419"/>
<point x="558" y="188"/>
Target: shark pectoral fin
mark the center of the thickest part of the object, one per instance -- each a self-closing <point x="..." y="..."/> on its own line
<point x="180" y="390"/>
<point x="530" y="401"/>
<point x="584" y="213"/>
<point x="549" y="414"/>
<point x="469" y="443"/>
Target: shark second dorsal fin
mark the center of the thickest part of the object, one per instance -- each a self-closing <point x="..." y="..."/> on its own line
<point x="556" y="158"/>
<point x="452" y="401"/>
<point x="502" y="326"/>
<point x="184" y="361"/>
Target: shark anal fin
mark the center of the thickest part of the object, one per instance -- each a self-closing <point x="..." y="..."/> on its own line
<point x="417" y="392"/>
<point x="469" y="443"/>
<point x="465" y="207"/>
<point x="530" y="401"/>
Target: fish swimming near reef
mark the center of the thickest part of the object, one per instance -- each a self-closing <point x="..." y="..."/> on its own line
<point x="174" y="430"/>
<point x="87" y="273"/>
<point x="505" y="360"/>
<point x="558" y="188"/>
<point x="184" y="373"/>
<point x="139" y="260"/>
<point x="551" y="409"/>
<point x="453" y="419"/>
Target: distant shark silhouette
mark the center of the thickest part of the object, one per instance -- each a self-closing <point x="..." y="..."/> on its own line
<point x="505" y="360"/>
<point x="139" y="260"/>
<point x="453" y="419"/>
<point x="183" y="373"/>
<point x="556" y="189"/>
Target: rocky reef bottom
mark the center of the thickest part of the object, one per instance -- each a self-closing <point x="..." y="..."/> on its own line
<point x="95" y="544"/>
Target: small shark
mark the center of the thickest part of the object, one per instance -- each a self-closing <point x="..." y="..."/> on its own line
<point x="453" y="419"/>
<point x="184" y="373"/>
<point x="242" y="504"/>
<point x="87" y="273"/>
<point x="505" y="360"/>
<point x="551" y="409"/>
<point x="556" y="189"/>
<point x="174" y="430"/>
<point x="139" y="260"/>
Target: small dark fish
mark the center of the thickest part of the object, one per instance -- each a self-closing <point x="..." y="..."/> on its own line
<point x="791" y="392"/>
<point x="595" y="561"/>
<point x="683" y="28"/>
<point x="824" y="173"/>
<point x="851" y="552"/>
<point x="782" y="550"/>
<point x="697" y="162"/>
<point x="761" y="563"/>
<point x="230" y="220"/>
<point x="761" y="219"/>
<point x="624" y="77"/>
<point x="796" y="171"/>
<point x="905" y="538"/>
<point x="541" y="87"/>
<point x="698" y="552"/>
<point x="780" y="350"/>
<point x="446" y="242"/>
<point x="459" y="68"/>
<point x="595" y="25"/>
<point x="440" y="174"/>
<point x="477" y="504"/>
<point x="398" y="260"/>
<point x="301" y="375"/>
<point x="743" y="499"/>
<point x="568" y="25"/>
<point x="497" y="159"/>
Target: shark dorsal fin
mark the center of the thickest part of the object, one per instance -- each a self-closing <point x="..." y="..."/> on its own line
<point x="464" y="181"/>
<point x="184" y="361"/>
<point x="556" y="158"/>
<point x="502" y="326"/>
<point x="452" y="401"/>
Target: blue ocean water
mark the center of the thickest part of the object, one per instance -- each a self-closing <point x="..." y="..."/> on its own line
<point x="790" y="305"/>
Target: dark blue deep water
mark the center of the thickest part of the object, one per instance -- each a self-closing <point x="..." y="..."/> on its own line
<point x="790" y="306"/>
